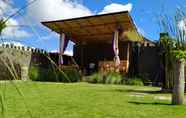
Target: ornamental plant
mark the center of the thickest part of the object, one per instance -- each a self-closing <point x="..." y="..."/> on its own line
<point x="173" y="48"/>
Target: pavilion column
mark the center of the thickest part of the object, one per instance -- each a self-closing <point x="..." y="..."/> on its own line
<point x="61" y="48"/>
<point x="116" y="48"/>
<point x="83" y="60"/>
<point x="82" y="55"/>
<point x="128" y="57"/>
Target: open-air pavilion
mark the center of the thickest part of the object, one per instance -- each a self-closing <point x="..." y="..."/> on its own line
<point x="102" y="41"/>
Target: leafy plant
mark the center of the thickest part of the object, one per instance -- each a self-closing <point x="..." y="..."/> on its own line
<point x="53" y="74"/>
<point x="179" y="54"/>
<point x="135" y="81"/>
<point x="34" y="73"/>
<point x="175" y="27"/>
<point x="106" y="78"/>
<point x="73" y="74"/>
<point x="167" y="60"/>
<point x="113" y="78"/>
<point x="95" y="78"/>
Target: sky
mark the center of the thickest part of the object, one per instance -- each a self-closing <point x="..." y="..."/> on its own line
<point x="30" y="32"/>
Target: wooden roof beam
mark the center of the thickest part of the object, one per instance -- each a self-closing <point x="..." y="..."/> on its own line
<point x="92" y="26"/>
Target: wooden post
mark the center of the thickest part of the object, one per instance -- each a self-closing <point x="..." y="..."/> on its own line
<point x="128" y="57"/>
<point x="61" y="48"/>
<point x="82" y="48"/>
<point x="82" y="55"/>
<point x="179" y="82"/>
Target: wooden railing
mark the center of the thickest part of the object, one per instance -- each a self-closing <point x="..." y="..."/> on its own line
<point x="109" y="66"/>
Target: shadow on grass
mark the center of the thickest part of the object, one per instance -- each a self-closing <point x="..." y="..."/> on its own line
<point x="149" y="103"/>
<point x="139" y="91"/>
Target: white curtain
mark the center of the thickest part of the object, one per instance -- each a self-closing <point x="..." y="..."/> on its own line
<point x="116" y="48"/>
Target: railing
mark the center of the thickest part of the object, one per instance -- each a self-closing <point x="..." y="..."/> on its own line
<point x="109" y="66"/>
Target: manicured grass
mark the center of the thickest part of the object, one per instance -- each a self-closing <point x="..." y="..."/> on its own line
<point x="82" y="100"/>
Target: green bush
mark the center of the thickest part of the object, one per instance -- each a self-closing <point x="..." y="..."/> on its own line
<point x="54" y="75"/>
<point x="113" y="78"/>
<point x="50" y="75"/>
<point x="69" y="75"/>
<point x="34" y="73"/>
<point x="95" y="78"/>
<point x="37" y="74"/>
<point x="108" y="78"/>
<point x="135" y="81"/>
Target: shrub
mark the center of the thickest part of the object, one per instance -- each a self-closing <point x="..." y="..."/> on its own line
<point x="69" y="75"/>
<point x="95" y="78"/>
<point x="34" y="73"/>
<point x="50" y="75"/>
<point x="54" y="75"/>
<point x="113" y="78"/>
<point x="135" y="81"/>
<point x="107" y="78"/>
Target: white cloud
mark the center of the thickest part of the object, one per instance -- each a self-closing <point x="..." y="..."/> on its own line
<point x="14" y="43"/>
<point x="5" y="8"/>
<point x="115" y="7"/>
<point x="46" y="10"/>
<point x="51" y="35"/>
<point x="13" y="30"/>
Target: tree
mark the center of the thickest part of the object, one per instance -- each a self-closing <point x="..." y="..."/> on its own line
<point x="175" y="52"/>
<point x="166" y="45"/>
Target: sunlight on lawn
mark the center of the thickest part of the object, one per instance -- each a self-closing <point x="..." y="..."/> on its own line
<point x="83" y="100"/>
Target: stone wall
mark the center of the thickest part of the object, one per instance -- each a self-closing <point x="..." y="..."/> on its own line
<point x="15" y="61"/>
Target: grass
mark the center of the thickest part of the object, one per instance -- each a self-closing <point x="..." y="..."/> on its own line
<point x="82" y="100"/>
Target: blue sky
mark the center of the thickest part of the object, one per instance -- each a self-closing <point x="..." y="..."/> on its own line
<point x="144" y="14"/>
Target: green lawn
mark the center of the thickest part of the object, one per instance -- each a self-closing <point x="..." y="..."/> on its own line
<point x="82" y="100"/>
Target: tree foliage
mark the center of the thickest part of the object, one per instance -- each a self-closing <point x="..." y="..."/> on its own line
<point x="174" y="54"/>
<point x="167" y="46"/>
<point x="174" y="43"/>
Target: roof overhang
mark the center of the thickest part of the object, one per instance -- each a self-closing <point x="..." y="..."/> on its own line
<point x="97" y="28"/>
